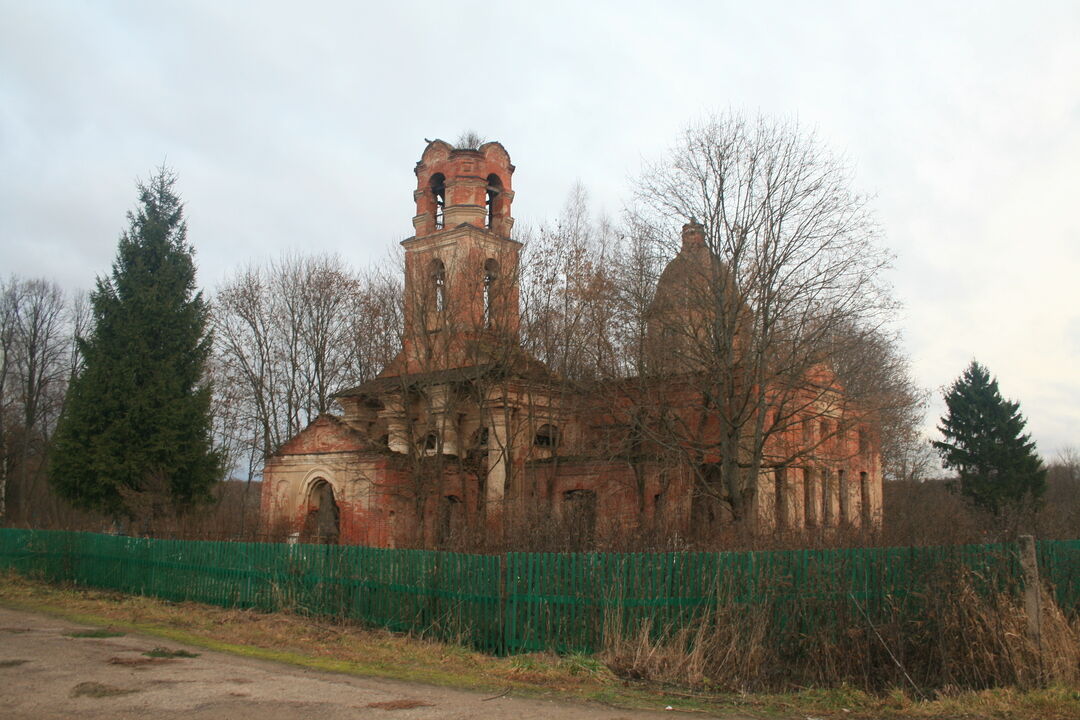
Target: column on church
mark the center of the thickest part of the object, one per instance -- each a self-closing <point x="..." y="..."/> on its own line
<point x="397" y="430"/>
<point x="444" y="414"/>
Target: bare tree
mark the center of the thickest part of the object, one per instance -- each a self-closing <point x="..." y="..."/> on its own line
<point x="9" y="302"/>
<point x="569" y="295"/>
<point x="37" y="357"/>
<point x="288" y="336"/>
<point x="798" y="276"/>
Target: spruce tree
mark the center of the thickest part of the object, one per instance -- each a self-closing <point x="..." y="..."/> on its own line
<point x="986" y="445"/>
<point x="137" y="415"/>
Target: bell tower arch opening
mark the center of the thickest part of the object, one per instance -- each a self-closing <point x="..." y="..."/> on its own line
<point x="438" y="193"/>
<point x="493" y="200"/>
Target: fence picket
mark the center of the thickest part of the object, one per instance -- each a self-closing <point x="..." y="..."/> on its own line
<point x="525" y="601"/>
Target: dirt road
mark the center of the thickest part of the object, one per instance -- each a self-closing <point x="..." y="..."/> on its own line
<point x="46" y="673"/>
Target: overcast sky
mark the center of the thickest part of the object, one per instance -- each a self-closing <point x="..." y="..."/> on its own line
<point x="297" y="130"/>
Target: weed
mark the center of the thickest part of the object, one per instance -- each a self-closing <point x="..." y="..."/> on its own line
<point x="164" y="652"/>
<point x="583" y="664"/>
<point x="137" y="662"/>
<point x="97" y="633"/>
<point x="98" y="690"/>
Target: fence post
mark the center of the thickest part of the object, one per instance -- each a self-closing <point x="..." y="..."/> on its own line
<point x="1029" y="568"/>
<point x="505" y="626"/>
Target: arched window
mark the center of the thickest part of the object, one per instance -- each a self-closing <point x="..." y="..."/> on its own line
<point x="494" y="189"/>
<point x="438" y="191"/>
<point x="491" y="276"/>
<point x="547" y="436"/>
<point x="438" y="285"/>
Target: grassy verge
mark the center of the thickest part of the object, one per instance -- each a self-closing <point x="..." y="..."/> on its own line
<point x="347" y="648"/>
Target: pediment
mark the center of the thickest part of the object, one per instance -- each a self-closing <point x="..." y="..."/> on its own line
<point x="324" y="434"/>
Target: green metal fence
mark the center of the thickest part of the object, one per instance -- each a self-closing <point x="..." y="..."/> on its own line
<point x="531" y="601"/>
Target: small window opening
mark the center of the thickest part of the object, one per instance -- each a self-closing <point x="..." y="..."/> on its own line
<point x="781" y="498"/>
<point x="438" y="284"/>
<point x="810" y="497"/>
<point x="547" y="436"/>
<point x="491" y="275"/>
<point x="430" y="442"/>
<point x="845" y="498"/>
<point x="864" y="492"/>
<point x="480" y="438"/>
<point x="828" y="512"/>
<point x="494" y="189"/>
<point x="438" y="191"/>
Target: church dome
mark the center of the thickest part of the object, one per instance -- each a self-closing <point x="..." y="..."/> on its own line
<point x="692" y="277"/>
<point x="682" y="318"/>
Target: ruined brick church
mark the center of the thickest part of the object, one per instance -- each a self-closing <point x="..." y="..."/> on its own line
<point x="464" y="435"/>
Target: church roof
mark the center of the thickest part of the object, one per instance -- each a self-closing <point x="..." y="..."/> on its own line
<point x="522" y="367"/>
<point x="380" y="385"/>
<point x="693" y="276"/>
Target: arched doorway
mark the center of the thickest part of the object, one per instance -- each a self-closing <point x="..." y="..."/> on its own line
<point x="322" y="521"/>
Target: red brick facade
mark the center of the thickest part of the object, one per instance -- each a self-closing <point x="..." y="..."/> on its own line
<point x="464" y="435"/>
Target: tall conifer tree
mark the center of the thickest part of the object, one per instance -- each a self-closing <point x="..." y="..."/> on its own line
<point x="985" y="443"/>
<point x="137" y="416"/>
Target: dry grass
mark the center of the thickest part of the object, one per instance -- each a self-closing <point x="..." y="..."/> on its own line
<point x="341" y="647"/>
<point x="953" y="634"/>
<point x="726" y="650"/>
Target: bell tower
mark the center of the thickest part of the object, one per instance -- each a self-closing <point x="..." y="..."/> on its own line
<point x="461" y="267"/>
<point x="463" y="186"/>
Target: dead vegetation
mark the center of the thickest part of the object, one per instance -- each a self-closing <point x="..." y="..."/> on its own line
<point x="961" y="631"/>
